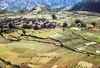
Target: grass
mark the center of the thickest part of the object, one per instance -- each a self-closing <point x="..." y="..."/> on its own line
<point x="97" y="40"/>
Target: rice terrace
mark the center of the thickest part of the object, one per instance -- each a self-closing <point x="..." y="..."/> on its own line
<point x="49" y="39"/>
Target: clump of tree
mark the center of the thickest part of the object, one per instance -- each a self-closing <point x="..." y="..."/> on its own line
<point x="79" y="23"/>
<point x="12" y="25"/>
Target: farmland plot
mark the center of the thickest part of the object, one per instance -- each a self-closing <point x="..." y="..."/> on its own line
<point x="52" y="48"/>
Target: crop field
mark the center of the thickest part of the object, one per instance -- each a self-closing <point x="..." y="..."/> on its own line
<point x="47" y="55"/>
<point x="52" y="48"/>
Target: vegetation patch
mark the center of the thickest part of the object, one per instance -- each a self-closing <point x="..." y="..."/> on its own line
<point x="97" y="40"/>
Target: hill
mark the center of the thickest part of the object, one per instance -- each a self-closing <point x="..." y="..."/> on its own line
<point x="87" y="6"/>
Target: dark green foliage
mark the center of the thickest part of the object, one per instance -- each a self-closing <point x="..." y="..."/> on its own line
<point x="80" y="24"/>
<point x="11" y="25"/>
<point x="83" y="25"/>
<point x="65" y="25"/>
<point x="77" y="21"/>
<point x="54" y="16"/>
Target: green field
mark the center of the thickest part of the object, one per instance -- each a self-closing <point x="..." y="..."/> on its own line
<point x="97" y="40"/>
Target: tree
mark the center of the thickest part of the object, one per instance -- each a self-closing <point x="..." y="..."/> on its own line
<point x="65" y="24"/>
<point x="77" y="21"/>
<point x="54" y="17"/>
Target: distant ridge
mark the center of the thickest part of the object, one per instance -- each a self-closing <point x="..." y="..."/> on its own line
<point x="29" y="4"/>
<point x="91" y="6"/>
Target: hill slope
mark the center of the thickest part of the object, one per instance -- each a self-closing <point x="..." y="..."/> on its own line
<point x="87" y="6"/>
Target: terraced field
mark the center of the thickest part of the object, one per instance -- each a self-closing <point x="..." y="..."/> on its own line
<point x="63" y="49"/>
<point x="52" y="48"/>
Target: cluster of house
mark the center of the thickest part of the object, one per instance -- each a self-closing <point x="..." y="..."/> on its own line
<point x="16" y="23"/>
<point x="36" y="24"/>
